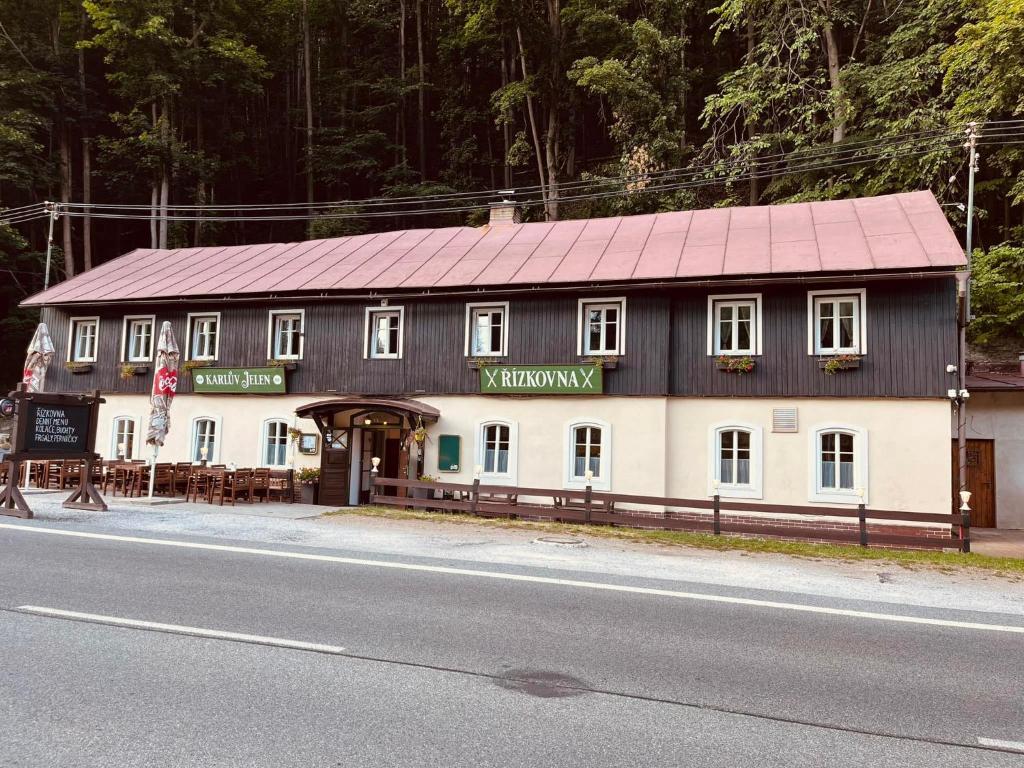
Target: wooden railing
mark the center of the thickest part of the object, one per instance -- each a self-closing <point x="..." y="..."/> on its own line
<point x="598" y="507"/>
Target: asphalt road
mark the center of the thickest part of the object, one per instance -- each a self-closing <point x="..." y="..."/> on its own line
<point x="435" y="667"/>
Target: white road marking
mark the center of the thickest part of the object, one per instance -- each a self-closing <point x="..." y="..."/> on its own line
<point x="1017" y="746"/>
<point x="594" y="585"/>
<point x="179" y="629"/>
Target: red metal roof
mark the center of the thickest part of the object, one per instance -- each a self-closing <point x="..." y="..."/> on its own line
<point x="906" y="231"/>
<point x="995" y="382"/>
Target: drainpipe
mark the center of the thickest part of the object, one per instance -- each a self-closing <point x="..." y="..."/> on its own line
<point x="960" y="402"/>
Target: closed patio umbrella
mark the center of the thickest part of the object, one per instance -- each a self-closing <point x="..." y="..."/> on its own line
<point x="165" y="384"/>
<point x="40" y="353"/>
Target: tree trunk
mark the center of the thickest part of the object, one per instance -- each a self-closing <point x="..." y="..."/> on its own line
<point x="403" y="149"/>
<point x="421" y="127"/>
<point x="165" y="171"/>
<point x="154" y="209"/>
<point x="552" y="142"/>
<point x="533" y="121"/>
<point x="835" y="84"/>
<point x="755" y="191"/>
<point x="506" y="128"/>
<point x="552" y="153"/>
<point x="307" y="61"/>
<point x="682" y="85"/>
<point x="86" y="151"/>
<point x="197" y="232"/>
<point x="65" y="197"/>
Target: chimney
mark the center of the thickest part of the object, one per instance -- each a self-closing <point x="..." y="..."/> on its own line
<point x="505" y="211"/>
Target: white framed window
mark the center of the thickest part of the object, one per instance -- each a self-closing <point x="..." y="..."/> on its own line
<point x="497" y="448"/>
<point x="83" y="339"/>
<point x="123" y="437"/>
<point x="839" y="463"/>
<point x="836" y="322"/>
<point x="736" y="464"/>
<point x="275" y="442"/>
<point x="203" y="336"/>
<point x="734" y="324"/>
<point x="286" y="334"/>
<point x="206" y="434"/>
<point x="383" y="331"/>
<point x="588" y="448"/>
<point x="137" y="338"/>
<point x="487" y="329"/>
<point x="601" y="327"/>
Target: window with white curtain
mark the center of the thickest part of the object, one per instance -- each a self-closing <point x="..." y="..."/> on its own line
<point x="138" y="339"/>
<point x="602" y="327"/>
<point x="836" y="461"/>
<point x="204" y="435"/>
<point x="275" y="443"/>
<point x="384" y="333"/>
<point x="203" y="336"/>
<point x="496" y="449"/>
<point x="734" y="324"/>
<point x="286" y="335"/>
<point x="84" y="333"/>
<point x="736" y="464"/>
<point x="837" y="322"/>
<point x="487" y="329"/>
<point x="839" y="464"/>
<point x="123" y="438"/>
<point x="588" y="448"/>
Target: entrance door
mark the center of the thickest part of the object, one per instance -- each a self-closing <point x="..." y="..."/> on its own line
<point x="981" y="481"/>
<point x="334" y="470"/>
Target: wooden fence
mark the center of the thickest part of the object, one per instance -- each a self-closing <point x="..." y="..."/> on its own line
<point x="673" y="514"/>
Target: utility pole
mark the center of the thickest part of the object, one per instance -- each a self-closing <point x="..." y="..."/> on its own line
<point x="51" y="209"/>
<point x="971" y="146"/>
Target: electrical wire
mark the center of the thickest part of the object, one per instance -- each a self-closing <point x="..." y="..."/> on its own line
<point x="663" y="187"/>
<point x="834" y="151"/>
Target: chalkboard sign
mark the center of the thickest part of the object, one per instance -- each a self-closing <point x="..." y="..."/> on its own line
<point x="448" y="458"/>
<point x="57" y="429"/>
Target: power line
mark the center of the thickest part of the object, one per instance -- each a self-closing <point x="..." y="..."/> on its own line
<point x="661" y="187"/>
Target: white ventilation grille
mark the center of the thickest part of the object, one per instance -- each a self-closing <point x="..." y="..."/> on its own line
<point x="784" y="420"/>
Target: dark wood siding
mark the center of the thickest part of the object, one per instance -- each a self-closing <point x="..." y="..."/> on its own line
<point x="911" y="335"/>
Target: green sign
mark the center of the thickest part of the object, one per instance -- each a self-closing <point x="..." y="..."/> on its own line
<point x="541" y="379"/>
<point x="253" y="381"/>
<point x="449" y="449"/>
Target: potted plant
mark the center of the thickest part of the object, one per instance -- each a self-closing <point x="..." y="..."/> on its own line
<point x="735" y="364"/>
<point x="128" y="370"/>
<point x="425" y="493"/>
<point x="833" y="365"/>
<point x="189" y="365"/>
<point x="288" y="365"/>
<point x="294" y="433"/>
<point x="309" y="479"/>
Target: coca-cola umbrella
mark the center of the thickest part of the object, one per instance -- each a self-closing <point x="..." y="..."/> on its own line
<point x="40" y="353"/>
<point x="165" y="384"/>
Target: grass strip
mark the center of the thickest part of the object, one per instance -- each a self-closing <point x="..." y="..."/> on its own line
<point x="1008" y="567"/>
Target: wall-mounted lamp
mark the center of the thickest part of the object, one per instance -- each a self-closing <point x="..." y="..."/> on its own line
<point x="951" y="368"/>
<point x="120" y="450"/>
<point x="477" y="471"/>
<point x="367" y="422"/>
<point x="589" y="474"/>
<point x="965" y="497"/>
<point x="376" y="463"/>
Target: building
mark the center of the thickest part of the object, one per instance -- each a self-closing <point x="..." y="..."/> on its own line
<point x="795" y="354"/>
<point x="995" y="447"/>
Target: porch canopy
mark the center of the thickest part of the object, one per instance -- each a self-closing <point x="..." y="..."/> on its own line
<point x="409" y="411"/>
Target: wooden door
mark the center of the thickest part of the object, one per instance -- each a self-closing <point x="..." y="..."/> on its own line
<point x="981" y="481"/>
<point x="334" y="472"/>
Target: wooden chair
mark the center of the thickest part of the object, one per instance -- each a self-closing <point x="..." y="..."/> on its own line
<point x="163" y="480"/>
<point x="280" y="487"/>
<point x="69" y="473"/>
<point x="261" y="485"/>
<point x="199" y="484"/>
<point x="182" y="470"/>
<point x="236" y="485"/>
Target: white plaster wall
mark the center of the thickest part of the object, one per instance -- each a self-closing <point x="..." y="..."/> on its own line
<point x="909" y="460"/>
<point x="241" y="425"/>
<point x="637" y="432"/>
<point x="999" y="416"/>
<point x="660" y="446"/>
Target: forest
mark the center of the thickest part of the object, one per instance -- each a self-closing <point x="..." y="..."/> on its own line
<point x="172" y="123"/>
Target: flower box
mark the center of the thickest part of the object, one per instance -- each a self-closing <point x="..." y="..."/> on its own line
<point x="79" y="368"/>
<point x="832" y="365"/>
<point x="608" y="363"/>
<point x="735" y="364"/>
<point x="284" y="365"/>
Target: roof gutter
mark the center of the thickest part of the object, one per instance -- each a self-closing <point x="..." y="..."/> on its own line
<point x="801" y="279"/>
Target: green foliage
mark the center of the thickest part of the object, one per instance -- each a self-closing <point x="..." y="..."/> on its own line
<point x="997" y="294"/>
